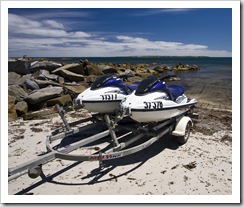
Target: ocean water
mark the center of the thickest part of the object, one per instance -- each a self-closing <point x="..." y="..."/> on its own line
<point x="211" y="85"/>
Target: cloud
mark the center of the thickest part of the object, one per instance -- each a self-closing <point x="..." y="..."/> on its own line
<point x="48" y="37"/>
<point x="58" y="14"/>
<point x="150" y="12"/>
<point x="16" y="22"/>
<point x="175" y="10"/>
<point x="48" y="28"/>
<point x="53" y="24"/>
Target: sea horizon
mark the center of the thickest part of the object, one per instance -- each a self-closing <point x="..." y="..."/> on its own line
<point x="129" y="56"/>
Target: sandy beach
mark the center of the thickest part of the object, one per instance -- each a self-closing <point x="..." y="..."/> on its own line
<point x="202" y="166"/>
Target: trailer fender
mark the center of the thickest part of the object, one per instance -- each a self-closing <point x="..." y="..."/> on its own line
<point x="181" y="125"/>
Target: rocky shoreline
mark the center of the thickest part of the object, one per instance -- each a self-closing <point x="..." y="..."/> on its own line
<point x="35" y="85"/>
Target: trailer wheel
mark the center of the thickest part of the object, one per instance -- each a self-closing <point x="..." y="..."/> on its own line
<point x="182" y="130"/>
<point x="35" y="172"/>
<point x="183" y="139"/>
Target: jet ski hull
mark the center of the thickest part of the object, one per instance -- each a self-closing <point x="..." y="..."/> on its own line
<point x="104" y="100"/>
<point x="154" y="107"/>
<point x="104" y="107"/>
<point x="157" y="115"/>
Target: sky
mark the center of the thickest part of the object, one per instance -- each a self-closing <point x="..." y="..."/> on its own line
<point x="108" y="32"/>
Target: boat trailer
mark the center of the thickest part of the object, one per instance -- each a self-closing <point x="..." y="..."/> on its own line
<point x="121" y="133"/>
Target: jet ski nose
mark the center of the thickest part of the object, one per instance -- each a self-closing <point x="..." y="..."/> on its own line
<point x="77" y="102"/>
<point x="126" y="109"/>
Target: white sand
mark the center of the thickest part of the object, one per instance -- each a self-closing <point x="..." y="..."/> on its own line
<point x="160" y="169"/>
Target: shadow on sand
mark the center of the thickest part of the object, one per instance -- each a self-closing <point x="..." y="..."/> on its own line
<point x="96" y="175"/>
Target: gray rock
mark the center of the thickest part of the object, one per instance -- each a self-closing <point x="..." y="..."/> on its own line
<point x="159" y="69"/>
<point x="43" y="94"/>
<point x="73" y="67"/>
<point x="13" y="78"/>
<point x="20" y="66"/>
<point x="73" y="83"/>
<point x="90" y="78"/>
<point x="61" y="80"/>
<point x="45" y="75"/>
<point x="194" y="67"/>
<point x="134" y="79"/>
<point x="59" y="100"/>
<point x="46" y="83"/>
<point x="71" y="76"/>
<point x="108" y="70"/>
<point x="18" y="92"/>
<point x="46" y="65"/>
<point x="21" y="108"/>
<point x="74" y="91"/>
<point x="23" y="79"/>
<point x="31" y="84"/>
<point x="12" y="115"/>
<point x="41" y="114"/>
<point x="127" y="72"/>
<point x="93" y="70"/>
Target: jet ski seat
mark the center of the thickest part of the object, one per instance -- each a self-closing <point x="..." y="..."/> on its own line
<point x="176" y="91"/>
<point x="153" y="84"/>
<point x="112" y="81"/>
<point x="133" y="86"/>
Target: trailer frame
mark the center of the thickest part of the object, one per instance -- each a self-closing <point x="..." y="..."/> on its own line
<point x="153" y="131"/>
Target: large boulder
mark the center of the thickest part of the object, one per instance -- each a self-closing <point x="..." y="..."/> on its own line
<point x="20" y="66"/>
<point x="107" y="69"/>
<point x="21" y="108"/>
<point x="45" y="75"/>
<point x="61" y="80"/>
<point x="46" y="83"/>
<point x="41" y="114"/>
<point x="73" y="67"/>
<point x="141" y="65"/>
<point x="44" y="65"/>
<point x="71" y="76"/>
<point x="153" y="72"/>
<point x="93" y="70"/>
<point x="174" y="79"/>
<point x="13" y="78"/>
<point x="59" y="100"/>
<point x="161" y="69"/>
<point x="23" y="79"/>
<point x="181" y="67"/>
<point x="43" y="94"/>
<point x="74" y="91"/>
<point x="12" y="115"/>
<point x="18" y="92"/>
<point x="194" y="67"/>
<point x="141" y="70"/>
<point x="90" y="78"/>
<point x="31" y="84"/>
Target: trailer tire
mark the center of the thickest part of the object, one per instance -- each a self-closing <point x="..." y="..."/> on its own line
<point x="183" y="139"/>
<point x="182" y="130"/>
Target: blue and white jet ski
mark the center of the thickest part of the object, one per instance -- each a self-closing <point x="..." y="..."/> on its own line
<point x="154" y="101"/>
<point x="105" y="94"/>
